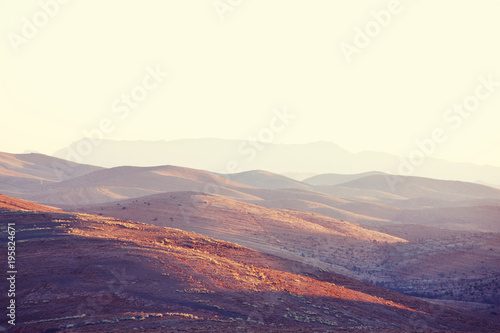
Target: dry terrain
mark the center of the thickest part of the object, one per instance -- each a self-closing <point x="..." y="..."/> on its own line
<point x="418" y="260"/>
<point x="434" y="239"/>
<point x="85" y="273"/>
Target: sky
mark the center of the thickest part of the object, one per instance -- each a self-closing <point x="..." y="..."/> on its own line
<point x="383" y="76"/>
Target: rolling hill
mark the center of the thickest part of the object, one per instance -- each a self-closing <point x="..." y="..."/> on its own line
<point x="330" y="179"/>
<point x="20" y="173"/>
<point x="354" y="228"/>
<point x="418" y="187"/>
<point x="369" y="200"/>
<point x="14" y="204"/>
<point x="264" y="179"/>
<point x="129" y="182"/>
<point x="267" y="230"/>
<point x="85" y="273"/>
<point x="42" y="167"/>
<point x="339" y="246"/>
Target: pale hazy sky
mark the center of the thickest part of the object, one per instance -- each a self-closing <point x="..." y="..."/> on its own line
<point x="226" y="76"/>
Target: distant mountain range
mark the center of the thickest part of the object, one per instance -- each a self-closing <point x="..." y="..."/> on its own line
<point x="233" y="156"/>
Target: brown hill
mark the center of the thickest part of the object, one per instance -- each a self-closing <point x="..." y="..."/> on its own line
<point x="302" y="236"/>
<point x="311" y="201"/>
<point x="265" y="179"/>
<point x="13" y="204"/>
<point x="219" y="216"/>
<point x="359" y="194"/>
<point x="417" y="187"/>
<point x="84" y="273"/>
<point x="41" y="167"/>
<point x="368" y="200"/>
<point x="129" y="182"/>
<point x="22" y="173"/>
<point x="474" y="218"/>
<point x="343" y="247"/>
<point x="323" y="209"/>
<point x="330" y="179"/>
<point x="292" y="194"/>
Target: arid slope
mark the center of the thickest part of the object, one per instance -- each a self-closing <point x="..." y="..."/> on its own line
<point x="85" y="273"/>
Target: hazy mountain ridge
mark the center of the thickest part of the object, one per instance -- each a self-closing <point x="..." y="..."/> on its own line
<point x="230" y="156"/>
